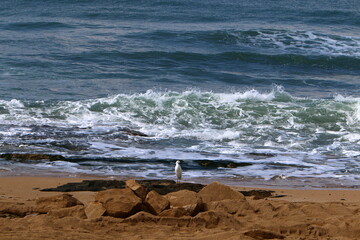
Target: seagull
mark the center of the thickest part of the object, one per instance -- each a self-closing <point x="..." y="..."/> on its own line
<point x="178" y="171"/>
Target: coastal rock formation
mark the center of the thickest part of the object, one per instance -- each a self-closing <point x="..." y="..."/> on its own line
<point x="45" y="204"/>
<point x="94" y="210"/>
<point x="187" y="200"/>
<point x="160" y="186"/>
<point x="217" y="192"/>
<point x="216" y="212"/>
<point x="156" y="202"/>
<point x="31" y="156"/>
<point x="137" y="188"/>
<point x="119" y="202"/>
<point x="11" y="209"/>
<point x="239" y="207"/>
<point x="77" y="211"/>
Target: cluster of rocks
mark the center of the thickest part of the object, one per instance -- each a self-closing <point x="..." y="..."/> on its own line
<point x="137" y="200"/>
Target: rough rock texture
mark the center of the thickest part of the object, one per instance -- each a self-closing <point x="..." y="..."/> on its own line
<point x="217" y="192"/>
<point x="212" y="219"/>
<point x="45" y="204"/>
<point x="119" y="202"/>
<point x="137" y="188"/>
<point x="174" y="212"/>
<point x="75" y="211"/>
<point x="239" y="207"/>
<point x="14" y="209"/>
<point x="156" y="202"/>
<point x="188" y="200"/>
<point x="94" y="210"/>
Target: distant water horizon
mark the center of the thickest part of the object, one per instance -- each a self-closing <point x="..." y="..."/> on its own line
<point x="246" y="92"/>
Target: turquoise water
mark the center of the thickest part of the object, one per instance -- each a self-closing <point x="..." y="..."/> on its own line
<point x="269" y="86"/>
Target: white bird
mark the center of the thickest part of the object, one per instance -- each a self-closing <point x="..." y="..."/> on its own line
<point x="178" y="171"/>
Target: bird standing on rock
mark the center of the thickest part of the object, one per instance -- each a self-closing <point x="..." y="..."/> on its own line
<point x="178" y="171"/>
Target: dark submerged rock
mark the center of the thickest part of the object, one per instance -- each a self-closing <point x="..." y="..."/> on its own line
<point x="258" y="194"/>
<point x="221" y="164"/>
<point x="87" y="185"/>
<point x="160" y="186"/>
<point x="31" y="156"/>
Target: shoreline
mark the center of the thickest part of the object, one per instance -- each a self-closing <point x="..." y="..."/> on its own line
<point x="305" y="183"/>
<point x="25" y="187"/>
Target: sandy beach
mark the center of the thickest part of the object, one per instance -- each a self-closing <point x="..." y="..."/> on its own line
<point x="287" y="214"/>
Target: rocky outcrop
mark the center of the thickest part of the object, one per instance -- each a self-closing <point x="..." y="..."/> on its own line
<point x="45" y="204"/>
<point x="119" y="202"/>
<point x="239" y="207"/>
<point x="156" y="203"/>
<point x="137" y="188"/>
<point x="75" y="211"/>
<point x="214" y="205"/>
<point x="187" y="200"/>
<point x="160" y="186"/>
<point x="218" y="192"/>
<point x="31" y="156"/>
<point x="94" y="210"/>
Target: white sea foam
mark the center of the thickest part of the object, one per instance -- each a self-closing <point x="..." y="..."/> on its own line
<point x="189" y="126"/>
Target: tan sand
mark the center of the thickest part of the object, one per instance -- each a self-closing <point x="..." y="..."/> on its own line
<point x="302" y="214"/>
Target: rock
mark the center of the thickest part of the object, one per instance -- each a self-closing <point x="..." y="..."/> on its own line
<point x="258" y="156"/>
<point x="31" y="156"/>
<point x="14" y="210"/>
<point x="156" y="202"/>
<point x="174" y="212"/>
<point x="143" y="217"/>
<point x="239" y="207"/>
<point x="87" y="185"/>
<point x="137" y="188"/>
<point x="221" y="164"/>
<point x="258" y="194"/>
<point x="217" y="192"/>
<point x="260" y="234"/>
<point x="167" y="186"/>
<point x="45" y="204"/>
<point x="119" y="202"/>
<point x="212" y="219"/>
<point x="76" y="211"/>
<point x="161" y="186"/>
<point x="188" y="200"/>
<point x="134" y="132"/>
<point x="94" y="210"/>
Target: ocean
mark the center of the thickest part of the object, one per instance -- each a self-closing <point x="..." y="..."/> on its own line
<point x="262" y="93"/>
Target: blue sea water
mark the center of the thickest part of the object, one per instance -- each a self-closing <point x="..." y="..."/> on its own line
<point x="253" y="92"/>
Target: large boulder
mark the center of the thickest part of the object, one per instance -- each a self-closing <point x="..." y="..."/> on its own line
<point x="156" y="202"/>
<point x="187" y="200"/>
<point x="217" y="192"/>
<point x="45" y="204"/>
<point x="94" y="210"/>
<point x="119" y="202"/>
<point x="137" y="188"/>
